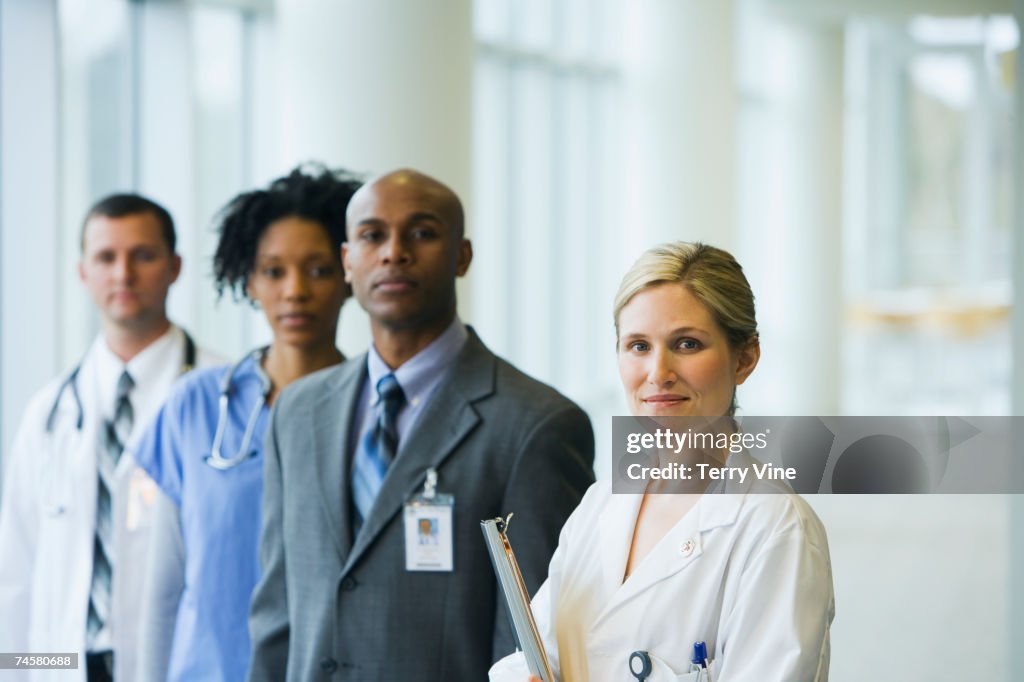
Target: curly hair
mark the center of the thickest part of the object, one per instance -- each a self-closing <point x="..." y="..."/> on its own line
<point x="310" y="191"/>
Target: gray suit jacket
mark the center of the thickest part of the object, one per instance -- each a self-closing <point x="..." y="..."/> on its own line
<point x="330" y="606"/>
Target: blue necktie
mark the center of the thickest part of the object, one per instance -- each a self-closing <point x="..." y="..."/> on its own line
<point x="376" y="449"/>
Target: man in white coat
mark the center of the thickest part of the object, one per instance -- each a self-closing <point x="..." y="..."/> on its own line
<point x="74" y="512"/>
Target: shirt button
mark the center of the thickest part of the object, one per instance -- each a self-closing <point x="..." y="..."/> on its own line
<point x="687" y="548"/>
<point x="328" y="665"/>
<point x="348" y="584"/>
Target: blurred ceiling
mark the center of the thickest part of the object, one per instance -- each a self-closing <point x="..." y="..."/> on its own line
<point x="846" y="9"/>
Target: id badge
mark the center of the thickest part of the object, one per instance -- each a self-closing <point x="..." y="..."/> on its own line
<point x="429" y="542"/>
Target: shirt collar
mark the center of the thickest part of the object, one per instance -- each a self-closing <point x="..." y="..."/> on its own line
<point x="144" y="366"/>
<point x="418" y="373"/>
<point x="153" y="357"/>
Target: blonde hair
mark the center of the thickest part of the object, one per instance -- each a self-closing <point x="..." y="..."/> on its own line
<point x="713" y="277"/>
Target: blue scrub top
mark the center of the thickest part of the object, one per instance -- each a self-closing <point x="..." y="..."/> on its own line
<point x="220" y="517"/>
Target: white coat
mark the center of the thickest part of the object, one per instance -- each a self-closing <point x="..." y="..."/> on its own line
<point x="48" y="520"/>
<point x="749" y="574"/>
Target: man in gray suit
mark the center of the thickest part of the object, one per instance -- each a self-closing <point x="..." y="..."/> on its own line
<point x="379" y="471"/>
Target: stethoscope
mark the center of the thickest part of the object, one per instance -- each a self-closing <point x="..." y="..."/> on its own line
<point x="216" y="458"/>
<point x="71" y="383"/>
<point x="640" y="665"/>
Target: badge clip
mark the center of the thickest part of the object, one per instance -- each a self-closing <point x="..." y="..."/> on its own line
<point x="430" y="484"/>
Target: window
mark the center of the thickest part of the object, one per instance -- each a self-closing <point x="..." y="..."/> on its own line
<point x="928" y="273"/>
<point x="159" y="98"/>
<point x="546" y="144"/>
<point x="164" y="98"/>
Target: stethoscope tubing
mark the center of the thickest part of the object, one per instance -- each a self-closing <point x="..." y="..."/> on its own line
<point x="71" y="383"/>
<point x="216" y="457"/>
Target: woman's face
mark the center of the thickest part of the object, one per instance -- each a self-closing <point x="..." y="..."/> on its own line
<point x="674" y="359"/>
<point x="297" y="280"/>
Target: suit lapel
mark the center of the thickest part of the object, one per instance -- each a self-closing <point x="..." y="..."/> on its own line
<point x="331" y="418"/>
<point x="446" y="421"/>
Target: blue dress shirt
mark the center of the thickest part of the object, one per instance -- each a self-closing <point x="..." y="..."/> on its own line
<point x="419" y="377"/>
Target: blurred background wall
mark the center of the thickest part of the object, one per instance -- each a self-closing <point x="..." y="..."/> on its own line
<point x="862" y="158"/>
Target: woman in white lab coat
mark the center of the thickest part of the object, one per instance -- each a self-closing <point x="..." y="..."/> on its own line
<point x="748" y="574"/>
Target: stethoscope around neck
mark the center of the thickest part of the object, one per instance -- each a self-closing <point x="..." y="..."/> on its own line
<point x="216" y="457"/>
<point x="71" y="384"/>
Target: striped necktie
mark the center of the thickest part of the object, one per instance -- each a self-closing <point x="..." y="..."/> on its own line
<point x="113" y="434"/>
<point x="377" y="448"/>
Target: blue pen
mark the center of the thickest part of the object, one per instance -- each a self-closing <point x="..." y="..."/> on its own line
<point x="699" y="660"/>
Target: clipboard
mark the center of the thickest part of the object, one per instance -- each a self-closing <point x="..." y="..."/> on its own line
<point x="517" y="599"/>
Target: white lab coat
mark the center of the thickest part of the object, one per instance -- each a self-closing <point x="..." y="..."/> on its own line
<point x="48" y="519"/>
<point x="749" y="574"/>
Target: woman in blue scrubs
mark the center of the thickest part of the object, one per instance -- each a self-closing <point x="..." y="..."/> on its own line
<point x="280" y="249"/>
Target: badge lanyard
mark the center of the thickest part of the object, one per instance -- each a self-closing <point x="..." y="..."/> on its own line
<point x="429" y="541"/>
